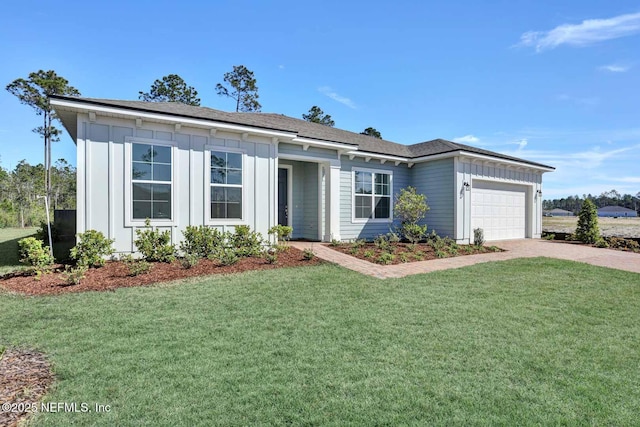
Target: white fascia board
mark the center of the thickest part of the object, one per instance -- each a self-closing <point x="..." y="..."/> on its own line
<point x="376" y="156"/>
<point x="323" y="144"/>
<point x="497" y="160"/>
<point x="81" y="107"/>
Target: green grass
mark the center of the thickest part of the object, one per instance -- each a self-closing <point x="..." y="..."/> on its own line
<point x="9" y="247"/>
<point x="521" y="342"/>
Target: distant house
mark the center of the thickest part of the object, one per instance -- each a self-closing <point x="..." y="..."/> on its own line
<point x="558" y="212"/>
<point x="616" y="211"/>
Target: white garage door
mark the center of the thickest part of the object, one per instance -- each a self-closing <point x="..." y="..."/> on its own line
<point x="499" y="209"/>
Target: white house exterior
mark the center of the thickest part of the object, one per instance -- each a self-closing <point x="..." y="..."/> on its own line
<point x="181" y="165"/>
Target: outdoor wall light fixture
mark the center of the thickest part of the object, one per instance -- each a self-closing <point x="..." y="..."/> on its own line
<point x="466" y="186"/>
<point x="539" y="192"/>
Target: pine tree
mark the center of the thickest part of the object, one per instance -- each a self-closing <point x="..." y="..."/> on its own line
<point x="587" y="230"/>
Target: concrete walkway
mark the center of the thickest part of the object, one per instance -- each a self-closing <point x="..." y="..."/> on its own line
<point x="525" y="248"/>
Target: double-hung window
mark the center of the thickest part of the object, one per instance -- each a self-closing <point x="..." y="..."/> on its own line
<point x="372" y="195"/>
<point x="226" y="185"/>
<point x="151" y="183"/>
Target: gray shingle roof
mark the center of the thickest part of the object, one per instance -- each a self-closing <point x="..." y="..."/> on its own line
<point x="615" y="209"/>
<point x="302" y="128"/>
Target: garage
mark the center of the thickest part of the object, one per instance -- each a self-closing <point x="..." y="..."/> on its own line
<point x="499" y="209"/>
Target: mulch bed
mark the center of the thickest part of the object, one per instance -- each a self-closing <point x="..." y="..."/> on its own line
<point x="24" y="378"/>
<point x="421" y="252"/>
<point x="115" y="274"/>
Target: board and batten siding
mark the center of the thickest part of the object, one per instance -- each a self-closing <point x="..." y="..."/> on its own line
<point x="470" y="171"/>
<point x="350" y="230"/>
<point x="435" y="179"/>
<point x="304" y="206"/>
<point x="102" y="179"/>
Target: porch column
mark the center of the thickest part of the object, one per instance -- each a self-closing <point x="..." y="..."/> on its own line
<point x="332" y="201"/>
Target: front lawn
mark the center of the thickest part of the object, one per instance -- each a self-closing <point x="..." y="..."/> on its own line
<point x="520" y="342"/>
<point x="9" y="247"/>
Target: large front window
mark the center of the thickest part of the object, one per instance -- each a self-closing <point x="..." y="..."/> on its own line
<point x="372" y="193"/>
<point x="151" y="181"/>
<point x="226" y="185"/>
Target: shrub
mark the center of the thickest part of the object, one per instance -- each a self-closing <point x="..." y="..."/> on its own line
<point x="245" y="242"/>
<point x="201" y="241"/>
<point x="382" y="242"/>
<point x="368" y="253"/>
<point x="227" y="256"/>
<point x="622" y="243"/>
<point x="441" y="253"/>
<point x="602" y="243"/>
<point x="136" y="267"/>
<point x="335" y="242"/>
<point x="587" y="230"/>
<point x="271" y="258"/>
<point x="414" y="233"/>
<point x="282" y="233"/>
<point x="549" y="236"/>
<point x="386" y="258"/>
<point x="92" y="249"/>
<point x="394" y="237"/>
<point x="403" y="257"/>
<point x="478" y="236"/>
<point x="154" y="245"/>
<point x="74" y="275"/>
<point x="354" y="250"/>
<point x="32" y="252"/>
<point x="308" y="254"/>
<point x="360" y="243"/>
<point x="189" y="260"/>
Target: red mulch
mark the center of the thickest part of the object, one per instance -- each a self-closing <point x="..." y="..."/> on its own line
<point x="422" y="252"/>
<point x="115" y="274"/>
<point x="24" y="379"/>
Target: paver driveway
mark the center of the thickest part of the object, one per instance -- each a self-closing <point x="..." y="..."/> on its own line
<point x="523" y="248"/>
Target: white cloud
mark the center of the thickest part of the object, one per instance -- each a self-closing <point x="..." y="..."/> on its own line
<point x="467" y="139"/>
<point x="327" y="91"/>
<point x="586" y="33"/>
<point x="615" y="68"/>
<point x="281" y="67"/>
<point x="628" y="179"/>
<point x="522" y="143"/>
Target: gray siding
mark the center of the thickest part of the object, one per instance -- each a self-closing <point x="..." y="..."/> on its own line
<point x="103" y="186"/>
<point x="350" y="229"/>
<point x="436" y="180"/>
<point x="310" y="194"/>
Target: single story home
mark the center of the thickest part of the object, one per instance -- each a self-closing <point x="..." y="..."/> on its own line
<point x="616" y="211"/>
<point x="182" y="165"/>
<point x="558" y="212"/>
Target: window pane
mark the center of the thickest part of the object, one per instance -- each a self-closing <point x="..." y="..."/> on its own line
<point x="141" y="152"/>
<point x="234" y="195"/>
<point x="161" y="210"/>
<point x="218" y="210"/>
<point x="234" y="176"/>
<point x="217" y="194"/>
<point x="234" y="210"/>
<point x="217" y="176"/>
<point x="141" y="191"/>
<point x="141" y="170"/>
<point x="218" y="159"/>
<point x="161" y="172"/>
<point x="234" y="160"/>
<point x="161" y="192"/>
<point x="363" y="182"/>
<point x="363" y="207"/>
<point x="141" y="210"/>
<point x="161" y="154"/>
<point x="383" y="205"/>
<point x="383" y="184"/>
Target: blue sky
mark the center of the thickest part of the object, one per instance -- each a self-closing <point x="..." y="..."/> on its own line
<point x="554" y="82"/>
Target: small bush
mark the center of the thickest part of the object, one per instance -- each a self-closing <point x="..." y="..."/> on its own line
<point x="622" y="243"/>
<point x="32" y="252"/>
<point x="368" y="253"/>
<point x="602" y="243"/>
<point x="282" y="233"/>
<point x="414" y="233"/>
<point x="468" y="249"/>
<point x="441" y="253"/>
<point x="246" y="243"/>
<point x="478" y="236"/>
<point x="587" y="230"/>
<point x="154" y="245"/>
<point x="386" y="258"/>
<point x="394" y="237"/>
<point x="73" y="275"/>
<point x="92" y="248"/>
<point x="403" y="257"/>
<point x="271" y="258"/>
<point x="189" y="260"/>
<point x="494" y="249"/>
<point x="354" y="250"/>
<point x="227" y="256"/>
<point x="135" y="267"/>
<point x="360" y="243"/>
<point x="382" y="242"/>
<point x="549" y="236"/>
<point x="308" y="254"/>
<point x="202" y="241"/>
<point x="335" y="242"/>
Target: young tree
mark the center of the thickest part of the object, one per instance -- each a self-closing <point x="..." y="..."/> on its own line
<point x="171" y="88"/>
<point x="587" y="230"/>
<point x="240" y="84"/>
<point x="316" y="115"/>
<point x="410" y="207"/>
<point x="35" y="92"/>
<point x="371" y="132"/>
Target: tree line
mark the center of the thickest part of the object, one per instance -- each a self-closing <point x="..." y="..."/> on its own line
<point x="21" y="191"/>
<point x="608" y="198"/>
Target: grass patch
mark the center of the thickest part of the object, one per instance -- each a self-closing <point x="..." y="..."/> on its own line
<point x="520" y="342"/>
<point x="9" y="237"/>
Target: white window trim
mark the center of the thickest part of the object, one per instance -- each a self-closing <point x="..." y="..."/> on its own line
<point x="353" y="195"/>
<point x="207" y="186"/>
<point x="129" y="221"/>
